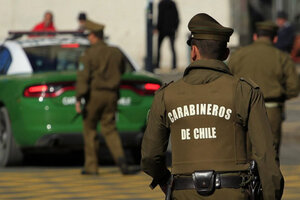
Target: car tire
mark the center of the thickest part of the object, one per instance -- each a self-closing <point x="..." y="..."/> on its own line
<point x="10" y="153"/>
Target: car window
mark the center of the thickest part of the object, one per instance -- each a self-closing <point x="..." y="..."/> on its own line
<point x="60" y="58"/>
<point x="128" y="66"/>
<point x="54" y="58"/>
<point x="5" y="60"/>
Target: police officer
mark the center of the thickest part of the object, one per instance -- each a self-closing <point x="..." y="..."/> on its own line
<point x="98" y="81"/>
<point x="217" y="123"/>
<point x="272" y="69"/>
<point x="85" y="23"/>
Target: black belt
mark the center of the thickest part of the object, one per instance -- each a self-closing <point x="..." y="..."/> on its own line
<point x="221" y="181"/>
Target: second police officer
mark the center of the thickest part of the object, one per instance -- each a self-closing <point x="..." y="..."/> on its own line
<point x="98" y="81"/>
<point x="273" y="70"/>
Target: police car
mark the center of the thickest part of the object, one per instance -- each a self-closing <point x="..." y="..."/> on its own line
<point x="37" y="96"/>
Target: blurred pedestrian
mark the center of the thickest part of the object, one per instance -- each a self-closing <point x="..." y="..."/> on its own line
<point x="286" y="33"/>
<point x="167" y="24"/>
<point x="81" y="20"/>
<point x="98" y="81"/>
<point x="272" y="69"/>
<point x="47" y="24"/>
<point x="217" y="124"/>
<point x="84" y="22"/>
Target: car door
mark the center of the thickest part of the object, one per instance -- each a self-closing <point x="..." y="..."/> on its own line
<point x="5" y="60"/>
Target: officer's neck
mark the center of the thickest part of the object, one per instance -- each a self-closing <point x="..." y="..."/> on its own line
<point x="94" y="40"/>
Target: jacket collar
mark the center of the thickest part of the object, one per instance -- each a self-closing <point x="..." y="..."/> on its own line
<point x="99" y="43"/>
<point x="215" y="65"/>
<point x="263" y="41"/>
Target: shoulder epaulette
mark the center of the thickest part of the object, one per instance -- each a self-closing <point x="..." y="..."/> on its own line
<point x="164" y="86"/>
<point x="249" y="82"/>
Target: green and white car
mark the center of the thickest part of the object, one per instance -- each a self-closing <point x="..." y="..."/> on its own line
<point x="37" y="96"/>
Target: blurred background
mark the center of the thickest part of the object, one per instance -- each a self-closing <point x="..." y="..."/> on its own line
<point x="126" y="20"/>
<point x="129" y="24"/>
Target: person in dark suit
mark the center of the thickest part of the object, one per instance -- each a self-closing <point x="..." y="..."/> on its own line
<point x="286" y="33"/>
<point x="167" y="25"/>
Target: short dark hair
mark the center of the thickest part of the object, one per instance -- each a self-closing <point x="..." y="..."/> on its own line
<point x="283" y="15"/>
<point x="266" y="33"/>
<point x="99" y="34"/>
<point x="212" y="49"/>
<point x="82" y="16"/>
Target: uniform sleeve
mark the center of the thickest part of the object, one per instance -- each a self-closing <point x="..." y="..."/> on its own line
<point x="291" y="78"/>
<point x="115" y="68"/>
<point x="261" y="141"/>
<point x="155" y="142"/>
<point x="83" y="77"/>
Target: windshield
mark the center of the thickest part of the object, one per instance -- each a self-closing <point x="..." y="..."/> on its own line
<point x="54" y="58"/>
<point x="63" y="57"/>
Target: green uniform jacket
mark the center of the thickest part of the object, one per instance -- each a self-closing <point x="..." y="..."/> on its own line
<point x="272" y="69"/>
<point x="100" y="68"/>
<point x="250" y="110"/>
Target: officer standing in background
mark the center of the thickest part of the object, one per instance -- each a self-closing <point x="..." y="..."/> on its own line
<point x="98" y="80"/>
<point x="84" y="23"/>
<point x="217" y="124"/>
<point x="272" y="69"/>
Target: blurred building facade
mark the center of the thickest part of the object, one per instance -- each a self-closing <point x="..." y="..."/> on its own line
<point x="125" y="20"/>
<point x="247" y="12"/>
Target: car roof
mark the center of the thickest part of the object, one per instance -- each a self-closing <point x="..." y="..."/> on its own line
<point x="36" y="39"/>
<point x="25" y="41"/>
<point x="49" y="41"/>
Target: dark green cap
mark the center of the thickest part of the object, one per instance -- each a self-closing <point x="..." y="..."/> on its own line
<point x="93" y="27"/>
<point x="266" y="26"/>
<point x="203" y="26"/>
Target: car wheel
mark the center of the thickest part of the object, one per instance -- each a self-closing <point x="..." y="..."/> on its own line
<point x="10" y="154"/>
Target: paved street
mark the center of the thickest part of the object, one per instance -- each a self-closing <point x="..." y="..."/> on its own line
<point x="65" y="182"/>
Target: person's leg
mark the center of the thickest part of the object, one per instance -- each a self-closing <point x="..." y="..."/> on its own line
<point x="275" y="119"/>
<point x="108" y="126"/>
<point x="172" y="41"/>
<point x="91" y="142"/>
<point x="160" y="39"/>
<point x="111" y="135"/>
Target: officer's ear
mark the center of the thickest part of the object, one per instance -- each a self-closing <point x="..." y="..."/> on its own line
<point x="225" y="54"/>
<point x="254" y="37"/>
<point x="195" y="54"/>
<point x="275" y="39"/>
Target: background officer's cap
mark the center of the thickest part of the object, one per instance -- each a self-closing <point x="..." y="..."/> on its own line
<point x="93" y="27"/>
<point x="203" y="26"/>
<point x="266" y="26"/>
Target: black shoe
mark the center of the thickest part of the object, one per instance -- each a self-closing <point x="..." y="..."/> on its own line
<point x="129" y="170"/>
<point x="83" y="172"/>
<point x="126" y="169"/>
